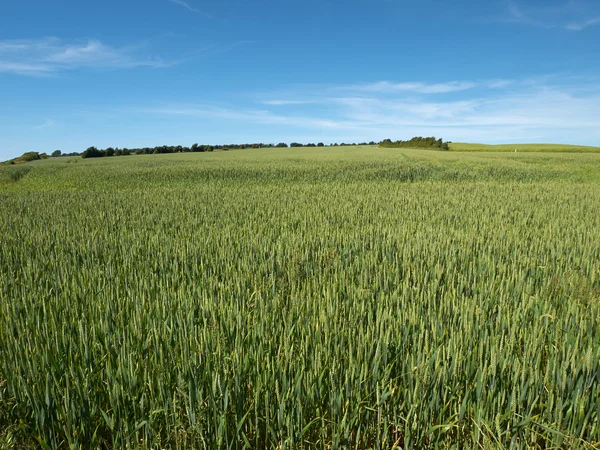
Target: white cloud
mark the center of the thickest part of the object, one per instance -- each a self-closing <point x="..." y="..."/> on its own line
<point x="251" y="116"/>
<point x="24" y="68"/>
<point x="288" y="102"/>
<point x="578" y="26"/>
<point x="570" y="15"/>
<point x="416" y="87"/>
<point x="187" y="6"/>
<point x="519" y="16"/>
<point x="566" y="109"/>
<point x="47" y="124"/>
<point x="50" y="55"/>
<point x="499" y="84"/>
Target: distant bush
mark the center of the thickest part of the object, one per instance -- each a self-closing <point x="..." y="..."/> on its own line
<point x="417" y="142"/>
<point x="28" y="156"/>
<point x="93" y="152"/>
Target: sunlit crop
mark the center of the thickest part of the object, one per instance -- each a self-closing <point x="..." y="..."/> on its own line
<point x="324" y="298"/>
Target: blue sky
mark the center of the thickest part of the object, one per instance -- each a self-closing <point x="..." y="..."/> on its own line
<point x="133" y="73"/>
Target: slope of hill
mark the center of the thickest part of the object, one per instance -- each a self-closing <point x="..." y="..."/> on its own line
<point x="555" y="148"/>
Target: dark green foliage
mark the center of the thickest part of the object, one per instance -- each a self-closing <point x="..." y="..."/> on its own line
<point x="417" y="142"/>
<point x="56" y="153"/>
<point x="197" y="148"/>
<point x="27" y="157"/>
<point x="93" y="152"/>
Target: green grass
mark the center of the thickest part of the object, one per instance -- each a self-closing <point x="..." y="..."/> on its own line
<point x="546" y="148"/>
<point x="301" y="298"/>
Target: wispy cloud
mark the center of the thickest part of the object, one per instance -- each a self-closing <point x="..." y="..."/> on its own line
<point x="552" y="109"/>
<point x="47" y="124"/>
<point x="416" y="87"/>
<point x="288" y="102"/>
<point x="519" y="16"/>
<point x="187" y="6"/>
<point x="248" y="115"/>
<point x="331" y="94"/>
<point x="499" y="84"/>
<point x="570" y="15"/>
<point x="24" y="68"/>
<point x="578" y="26"/>
<point x="50" y="55"/>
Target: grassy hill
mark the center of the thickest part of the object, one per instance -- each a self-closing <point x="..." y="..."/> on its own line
<point x="550" y="148"/>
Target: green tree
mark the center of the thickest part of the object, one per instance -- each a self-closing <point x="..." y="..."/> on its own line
<point x="92" y="152"/>
<point x="417" y="142"/>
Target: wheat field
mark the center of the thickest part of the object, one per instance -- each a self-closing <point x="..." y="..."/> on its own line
<point x="301" y="298"/>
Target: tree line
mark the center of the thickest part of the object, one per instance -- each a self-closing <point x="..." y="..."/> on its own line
<point x="417" y="142"/>
<point x="93" y="152"/>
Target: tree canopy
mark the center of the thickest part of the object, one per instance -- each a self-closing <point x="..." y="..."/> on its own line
<point x="417" y="142"/>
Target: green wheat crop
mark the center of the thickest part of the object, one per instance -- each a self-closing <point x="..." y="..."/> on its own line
<point x="306" y="298"/>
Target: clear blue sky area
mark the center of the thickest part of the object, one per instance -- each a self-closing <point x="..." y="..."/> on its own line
<point x="133" y="73"/>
